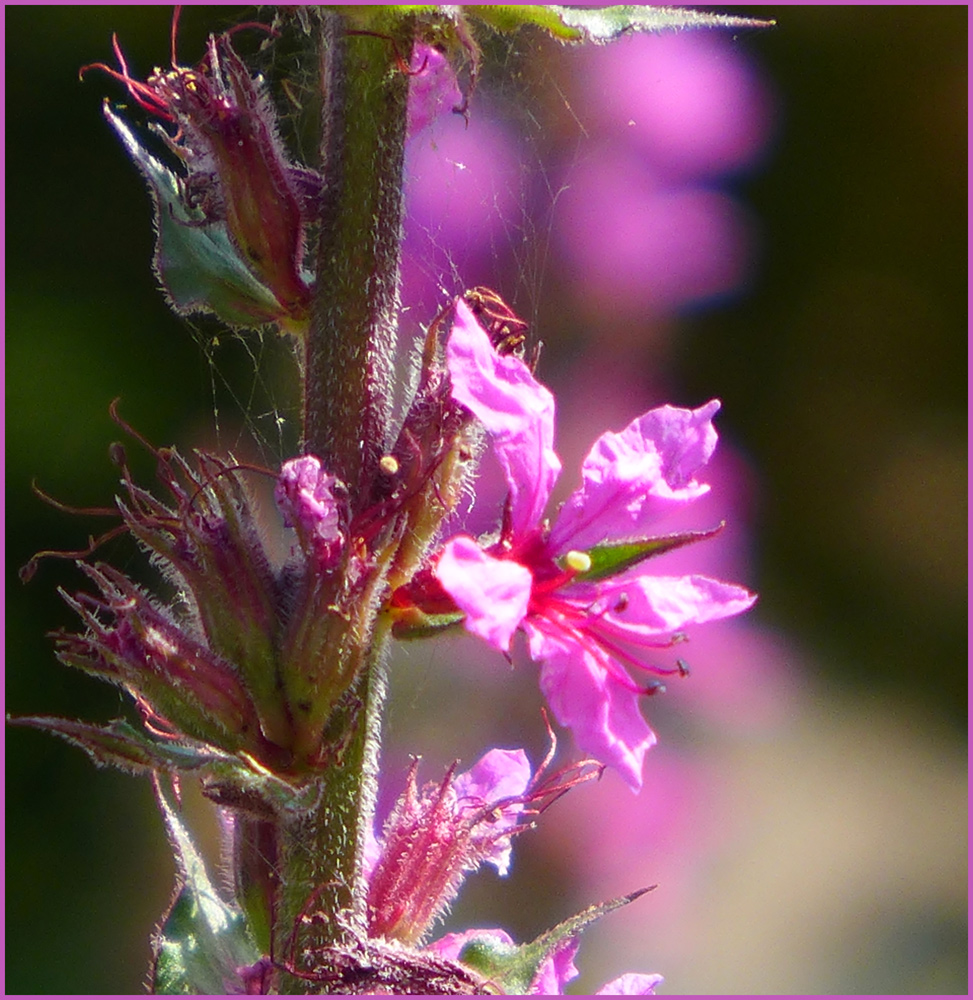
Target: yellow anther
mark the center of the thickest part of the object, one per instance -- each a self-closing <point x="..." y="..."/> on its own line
<point x="580" y="562"/>
<point x="389" y="464"/>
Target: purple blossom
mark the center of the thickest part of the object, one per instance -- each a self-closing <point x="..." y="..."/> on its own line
<point x="632" y="984"/>
<point x="643" y="220"/>
<point x="584" y="632"/>
<point x="692" y="103"/>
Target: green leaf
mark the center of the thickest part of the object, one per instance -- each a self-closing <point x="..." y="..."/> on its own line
<point x="226" y="778"/>
<point x="514" y="967"/>
<point x="569" y="24"/>
<point x="195" y="261"/>
<point x="602" y="24"/>
<point x="204" y="944"/>
<point x="610" y="560"/>
<point x="510" y="17"/>
<point x="123" y="746"/>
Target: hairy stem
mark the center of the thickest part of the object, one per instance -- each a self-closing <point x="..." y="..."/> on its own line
<point x="348" y="371"/>
<point x="350" y="344"/>
<point x="320" y="853"/>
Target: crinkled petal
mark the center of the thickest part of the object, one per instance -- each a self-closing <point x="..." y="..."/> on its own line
<point x="602" y="713"/>
<point x="632" y="984"/>
<point x="493" y="593"/>
<point x="497" y="775"/>
<point x="556" y="971"/>
<point x="304" y="494"/>
<point x="630" y="479"/>
<point x="645" y="610"/>
<point x="516" y="410"/>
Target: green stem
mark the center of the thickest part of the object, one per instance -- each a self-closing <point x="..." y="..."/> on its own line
<point x="348" y="370"/>
<point x="319" y="854"/>
<point x="350" y="344"/>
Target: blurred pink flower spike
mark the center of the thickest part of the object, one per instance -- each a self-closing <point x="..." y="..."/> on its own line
<point x="583" y="625"/>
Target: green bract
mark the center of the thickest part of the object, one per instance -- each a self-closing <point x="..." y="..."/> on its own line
<point x="204" y="946"/>
<point x="196" y="263"/>
<point x="610" y="560"/>
<point x="569" y="24"/>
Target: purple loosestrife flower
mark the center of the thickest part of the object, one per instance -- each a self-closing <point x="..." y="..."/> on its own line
<point x="437" y="835"/>
<point x="647" y="220"/>
<point x="433" y="89"/>
<point x="586" y="625"/>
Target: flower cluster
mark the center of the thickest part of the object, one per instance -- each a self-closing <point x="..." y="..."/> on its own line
<point x="264" y="677"/>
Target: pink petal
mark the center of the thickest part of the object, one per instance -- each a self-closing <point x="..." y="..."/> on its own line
<point x="644" y="609"/>
<point x="493" y="593"/>
<point x="556" y="971"/>
<point x="516" y="410"/>
<point x="497" y="775"/>
<point x="632" y="984"/>
<point x="630" y="479"/>
<point x="603" y="714"/>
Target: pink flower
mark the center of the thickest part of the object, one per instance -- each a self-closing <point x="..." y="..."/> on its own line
<point x="439" y="834"/>
<point x="584" y="626"/>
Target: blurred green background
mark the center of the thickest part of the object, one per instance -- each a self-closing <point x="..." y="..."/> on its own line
<point x="842" y="370"/>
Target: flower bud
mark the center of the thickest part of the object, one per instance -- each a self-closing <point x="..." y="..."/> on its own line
<point x="231" y="223"/>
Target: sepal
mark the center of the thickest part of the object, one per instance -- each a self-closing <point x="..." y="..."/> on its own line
<point x="196" y="262"/>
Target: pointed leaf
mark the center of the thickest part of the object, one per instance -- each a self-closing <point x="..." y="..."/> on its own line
<point x="510" y="17"/>
<point x="227" y="779"/>
<point x="123" y="746"/>
<point x="195" y="261"/>
<point x="602" y="24"/>
<point x="610" y="560"/>
<point x="514" y="967"/>
<point x="204" y="945"/>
